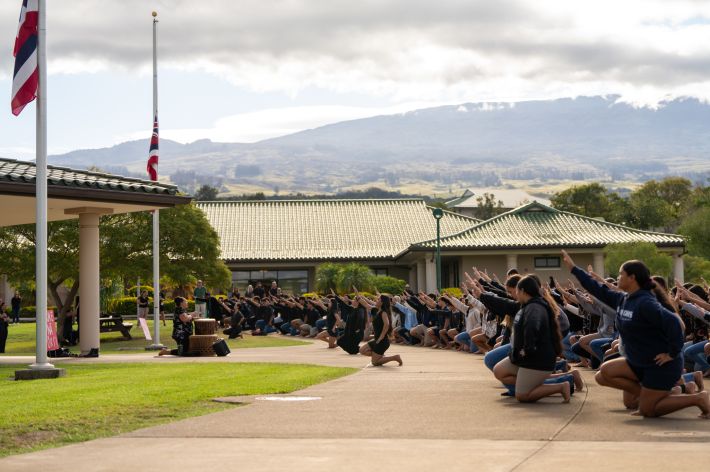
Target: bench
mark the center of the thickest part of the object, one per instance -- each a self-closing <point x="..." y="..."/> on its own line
<point x="111" y="324"/>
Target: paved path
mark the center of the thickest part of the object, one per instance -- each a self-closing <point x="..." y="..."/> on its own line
<point x="440" y="410"/>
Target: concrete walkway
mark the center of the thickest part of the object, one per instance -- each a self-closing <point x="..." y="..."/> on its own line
<point x="440" y="410"/>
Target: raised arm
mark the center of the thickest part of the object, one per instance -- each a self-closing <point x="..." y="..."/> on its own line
<point x="599" y="290"/>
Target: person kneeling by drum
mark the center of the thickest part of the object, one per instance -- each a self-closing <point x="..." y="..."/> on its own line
<point x="182" y="330"/>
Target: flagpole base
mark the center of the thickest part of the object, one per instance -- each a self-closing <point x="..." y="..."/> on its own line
<point x="43" y="373"/>
<point x="154" y="347"/>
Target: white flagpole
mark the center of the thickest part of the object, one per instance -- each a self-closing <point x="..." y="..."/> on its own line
<point x="41" y="361"/>
<point x="156" y="214"/>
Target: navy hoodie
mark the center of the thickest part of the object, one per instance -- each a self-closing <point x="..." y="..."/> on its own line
<point x="646" y="327"/>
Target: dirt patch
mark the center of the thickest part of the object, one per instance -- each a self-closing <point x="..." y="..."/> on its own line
<point x="30" y="439"/>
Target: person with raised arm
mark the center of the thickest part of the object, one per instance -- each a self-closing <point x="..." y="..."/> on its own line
<point x="652" y="339"/>
<point x="382" y="327"/>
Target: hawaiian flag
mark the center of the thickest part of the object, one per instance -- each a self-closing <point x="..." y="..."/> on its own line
<point x="153" y="153"/>
<point x="26" y="77"/>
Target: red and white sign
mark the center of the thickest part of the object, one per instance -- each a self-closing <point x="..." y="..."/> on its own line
<point x="146" y="331"/>
<point x="52" y="342"/>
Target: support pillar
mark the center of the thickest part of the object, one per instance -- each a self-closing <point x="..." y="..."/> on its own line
<point x="511" y="261"/>
<point x="89" y="276"/>
<point x="412" y="279"/>
<point x="678" y="268"/>
<point x="421" y="276"/>
<point x="598" y="263"/>
<point x="430" y="271"/>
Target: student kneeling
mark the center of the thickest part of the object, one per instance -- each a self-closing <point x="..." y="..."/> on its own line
<point x="536" y="346"/>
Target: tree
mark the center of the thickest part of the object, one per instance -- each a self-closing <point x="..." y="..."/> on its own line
<point x="696" y="227"/>
<point x="658" y="262"/>
<point x="487" y="206"/>
<point x="206" y="193"/>
<point x="660" y="205"/>
<point x="189" y="249"/>
<point x="326" y="277"/>
<point x="354" y="275"/>
<point x="592" y="200"/>
<point x="695" y="268"/>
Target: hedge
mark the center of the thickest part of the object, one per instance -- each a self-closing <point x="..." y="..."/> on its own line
<point x="131" y="291"/>
<point x="127" y="306"/>
<point x="453" y="291"/>
<point x="29" y="311"/>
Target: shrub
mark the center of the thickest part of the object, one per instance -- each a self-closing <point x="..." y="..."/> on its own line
<point x="29" y="311"/>
<point x="127" y="306"/>
<point x="131" y="291"/>
<point x="453" y="291"/>
<point x="354" y="275"/>
<point x="326" y="277"/>
<point x="387" y="284"/>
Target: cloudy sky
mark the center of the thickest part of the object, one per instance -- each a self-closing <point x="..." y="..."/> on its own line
<point x="245" y="70"/>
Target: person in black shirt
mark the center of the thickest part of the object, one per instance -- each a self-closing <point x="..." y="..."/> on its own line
<point x="182" y="330"/>
<point x="382" y="327"/>
<point x="259" y="290"/>
<point x="15" y="303"/>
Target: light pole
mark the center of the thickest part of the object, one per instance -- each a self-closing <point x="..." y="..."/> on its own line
<point x="438" y="214"/>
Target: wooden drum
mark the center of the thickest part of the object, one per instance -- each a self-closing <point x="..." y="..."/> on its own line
<point x="205" y="326"/>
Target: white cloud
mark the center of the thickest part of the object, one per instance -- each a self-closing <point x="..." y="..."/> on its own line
<point x="403" y="50"/>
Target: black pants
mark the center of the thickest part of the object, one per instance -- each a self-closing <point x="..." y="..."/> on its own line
<point x="183" y="348"/>
<point x="233" y="332"/>
<point x="3" y="336"/>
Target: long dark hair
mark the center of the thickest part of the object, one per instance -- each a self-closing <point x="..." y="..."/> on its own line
<point x="640" y="272"/>
<point x="661" y="293"/>
<point x="531" y="286"/>
<point x="387" y="308"/>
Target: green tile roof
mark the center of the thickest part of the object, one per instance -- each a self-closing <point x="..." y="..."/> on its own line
<point x="293" y="230"/>
<point x="25" y="172"/>
<point x="536" y="225"/>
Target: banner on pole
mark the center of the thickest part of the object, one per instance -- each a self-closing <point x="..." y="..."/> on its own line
<point x="52" y="342"/>
<point x="146" y="331"/>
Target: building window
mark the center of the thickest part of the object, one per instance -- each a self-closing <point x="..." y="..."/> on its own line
<point x="381" y="271"/>
<point x="293" y="282"/>
<point x="547" y="262"/>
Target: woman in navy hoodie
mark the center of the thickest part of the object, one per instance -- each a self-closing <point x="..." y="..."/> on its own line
<point x="652" y="339"/>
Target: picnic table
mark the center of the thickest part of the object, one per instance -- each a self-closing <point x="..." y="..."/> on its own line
<point x="115" y="323"/>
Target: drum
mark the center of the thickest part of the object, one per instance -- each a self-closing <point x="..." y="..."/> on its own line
<point x="205" y="326"/>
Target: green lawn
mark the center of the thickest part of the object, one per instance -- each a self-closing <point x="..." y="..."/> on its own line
<point x="100" y="400"/>
<point x="21" y="340"/>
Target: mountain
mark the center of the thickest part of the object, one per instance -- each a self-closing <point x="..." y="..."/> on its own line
<point x="469" y="144"/>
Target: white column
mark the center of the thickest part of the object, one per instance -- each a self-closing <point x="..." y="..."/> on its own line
<point x="598" y="263"/>
<point x="421" y="276"/>
<point x="89" y="275"/>
<point x="430" y="271"/>
<point x="511" y="261"/>
<point x="678" y="268"/>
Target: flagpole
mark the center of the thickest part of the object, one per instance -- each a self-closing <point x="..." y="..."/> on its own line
<point x="41" y="360"/>
<point x="156" y="213"/>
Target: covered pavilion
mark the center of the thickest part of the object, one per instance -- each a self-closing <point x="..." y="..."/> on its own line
<point x="86" y="195"/>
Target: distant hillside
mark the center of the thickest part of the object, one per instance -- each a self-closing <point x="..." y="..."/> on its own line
<point x="463" y="145"/>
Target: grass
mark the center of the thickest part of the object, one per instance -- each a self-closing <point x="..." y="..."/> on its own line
<point x="100" y="400"/>
<point x="21" y="340"/>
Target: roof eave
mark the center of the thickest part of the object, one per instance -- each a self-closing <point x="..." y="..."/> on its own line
<point x="97" y="195"/>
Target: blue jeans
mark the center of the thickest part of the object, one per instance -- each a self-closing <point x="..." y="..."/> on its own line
<point x="696" y="353"/>
<point x="496" y="355"/>
<point x="567" y="349"/>
<point x="465" y="339"/>
<point x="320" y="324"/>
<point x="266" y="329"/>
<point x="597" y="347"/>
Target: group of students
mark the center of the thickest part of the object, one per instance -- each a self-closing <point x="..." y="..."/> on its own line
<point x="645" y="340"/>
